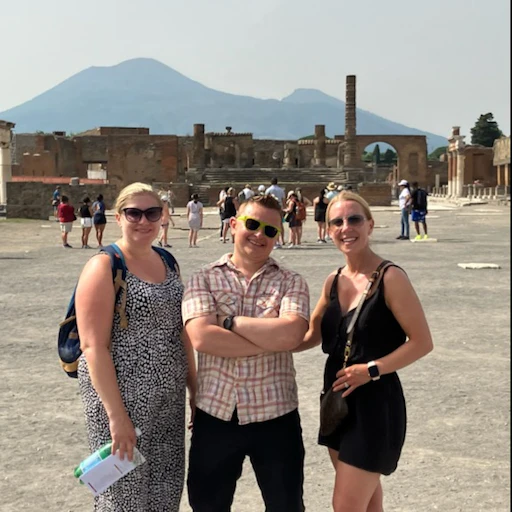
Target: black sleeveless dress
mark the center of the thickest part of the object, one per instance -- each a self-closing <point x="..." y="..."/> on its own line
<point x="374" y="434"/>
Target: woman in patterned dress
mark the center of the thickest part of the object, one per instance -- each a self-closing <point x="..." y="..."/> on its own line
<point x="136" y="376"/>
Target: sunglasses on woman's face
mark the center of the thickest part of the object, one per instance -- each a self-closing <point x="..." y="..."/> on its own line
<point x="152" y="214"/>
<point x="351" y="220"/>
<point x="253" y="225"/>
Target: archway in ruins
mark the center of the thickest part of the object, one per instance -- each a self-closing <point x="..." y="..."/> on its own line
<point x="411" y="151"/>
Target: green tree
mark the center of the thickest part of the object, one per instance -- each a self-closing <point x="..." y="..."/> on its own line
<point x="485" y="131"/>
<point x="376" y="154"/>
<point x="437" y="153"/>
<point x="389" y="157"/>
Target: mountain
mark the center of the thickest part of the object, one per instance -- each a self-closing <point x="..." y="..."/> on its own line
<point x="145" y="92"/>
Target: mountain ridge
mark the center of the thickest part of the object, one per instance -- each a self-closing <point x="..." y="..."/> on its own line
<point x="146" y="92"/>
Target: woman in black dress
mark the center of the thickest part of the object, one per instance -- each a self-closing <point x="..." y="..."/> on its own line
<point x="320" y="204"/>
<point x="391" y="332"/>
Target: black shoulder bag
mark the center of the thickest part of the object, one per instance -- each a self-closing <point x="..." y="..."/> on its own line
<point x="333" y="406"/>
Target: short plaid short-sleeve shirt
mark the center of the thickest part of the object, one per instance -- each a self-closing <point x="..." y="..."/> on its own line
<point x="260" y="387"/>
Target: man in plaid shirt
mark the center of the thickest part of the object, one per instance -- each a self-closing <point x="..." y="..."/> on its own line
<point x="244" y="314"/>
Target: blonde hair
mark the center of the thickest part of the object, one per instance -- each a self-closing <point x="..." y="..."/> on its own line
<point x="349" y="196"/>
<point x="132" y="190"/>
<point x="231" y="192"/>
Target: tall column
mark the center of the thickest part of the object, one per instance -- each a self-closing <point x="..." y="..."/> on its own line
<point x="5" y="158"/>
<point x="198" y="154"/>
<point x="319" y="153"/>
<point x="350" y="156"/>
<point x="459" y="182"/>
<point x="451" y="162"/>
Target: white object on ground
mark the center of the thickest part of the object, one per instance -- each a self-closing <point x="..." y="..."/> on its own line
<point x="477" y="266"/>
<point x="424" y="240"/>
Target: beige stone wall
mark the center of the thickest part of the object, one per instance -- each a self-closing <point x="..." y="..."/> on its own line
<point x="501" y="151"/>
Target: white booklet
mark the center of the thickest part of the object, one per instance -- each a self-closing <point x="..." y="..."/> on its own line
<point x="110" y="470"/>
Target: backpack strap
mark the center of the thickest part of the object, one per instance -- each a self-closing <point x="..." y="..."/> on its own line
<point x="169" y="259"/>
<point x="118" y="265"/>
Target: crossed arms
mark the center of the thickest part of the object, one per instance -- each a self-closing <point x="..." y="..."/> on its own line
<point x="248" y="337"/>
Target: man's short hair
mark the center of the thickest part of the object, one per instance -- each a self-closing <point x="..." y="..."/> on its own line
<point x="273" y="181"/>
<point x="269" y="202"/>
<point x="415" y="184"/>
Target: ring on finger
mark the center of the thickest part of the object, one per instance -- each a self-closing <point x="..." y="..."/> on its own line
<point x="347" y="385"/>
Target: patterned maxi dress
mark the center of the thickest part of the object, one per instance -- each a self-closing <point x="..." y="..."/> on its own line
<point x="151" y="367"/>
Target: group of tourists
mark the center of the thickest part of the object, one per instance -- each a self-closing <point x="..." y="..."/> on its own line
<point x="244" y="315"/>
<point x="91" y="214"/>
<point x="412" y="202"/>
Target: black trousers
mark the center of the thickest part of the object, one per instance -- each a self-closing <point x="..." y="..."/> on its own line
<point x="217" y="452"/>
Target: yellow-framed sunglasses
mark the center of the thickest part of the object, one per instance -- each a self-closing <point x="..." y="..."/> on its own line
<point x="254" y="224"/>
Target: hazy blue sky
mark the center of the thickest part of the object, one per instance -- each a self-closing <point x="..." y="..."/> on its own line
<point x="427" y="64"/>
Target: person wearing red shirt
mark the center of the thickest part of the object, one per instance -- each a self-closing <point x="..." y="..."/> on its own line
<point x="66" y="214"/>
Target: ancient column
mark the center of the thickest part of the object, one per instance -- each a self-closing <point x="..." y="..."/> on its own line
<point x="5" y="158"/>
<point x="198" y="154"/>
<point x="350" y="156"/>
<point x="289" y="160"/>
<point x="319" y="152"/>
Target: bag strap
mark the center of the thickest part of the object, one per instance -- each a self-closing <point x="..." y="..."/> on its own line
<point x="169" y="259"/>
<point x="118" y="264"/>
<point x="350" y="330"/>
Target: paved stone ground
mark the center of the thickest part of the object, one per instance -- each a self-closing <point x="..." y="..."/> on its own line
<point x="457" y="451"/>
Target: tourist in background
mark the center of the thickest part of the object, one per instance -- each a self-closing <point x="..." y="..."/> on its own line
<point x="171" y="198"/>
<point x="230" y="206"/>
<point x="404" y="203"/>
<point x="99" y="219"/>
<point x="66" y="216"/>
<point x="56" y="201"/>
<point x="278" y="193"/>
<point x="164" y="223"/>
<point x="261" y="190"/>
<point x="390" y="333"/>
<point x="85" y="213"/>
<point x="290" y="216"/>
<point x="302" y="200"/>
<point x="419" y="205"/>
<point x="195" y="219"/>
<point x="243" y="314"/>
<point x="332" y="192"/>
<point x="320" y="204"/>
<point x="222" y="195"/>
<point x="128" y="378"/>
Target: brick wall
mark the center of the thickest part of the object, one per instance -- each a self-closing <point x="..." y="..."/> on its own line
<point x="33" y="200"/>
<point x="147" y="159"/>
<point x="376" y="194"/>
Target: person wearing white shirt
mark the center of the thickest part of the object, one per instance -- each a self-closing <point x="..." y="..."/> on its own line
<point x="404" y="203"/>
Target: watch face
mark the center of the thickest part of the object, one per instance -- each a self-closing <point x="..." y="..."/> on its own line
<point x="373" y="371"/>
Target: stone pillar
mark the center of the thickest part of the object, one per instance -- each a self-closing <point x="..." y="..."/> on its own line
<point x="450" y="171"/>
<point x="288" y="160"/>
<point x="319" y="153"/>
<point x="198" y="154"/>
<point x="350" y="156"/>
<point x="339" y="155"/>
<point x="459" y="181"/>
<point x="5" y="158"/>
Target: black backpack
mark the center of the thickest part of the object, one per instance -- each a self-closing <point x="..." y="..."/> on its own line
<point x="420" y="200"/>
<point x="68" y="339"/>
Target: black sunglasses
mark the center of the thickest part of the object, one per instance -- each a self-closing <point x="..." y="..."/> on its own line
<point x="152" y="214"/>
<point x="351" y="220"/>
<point x="253" y="225"/>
